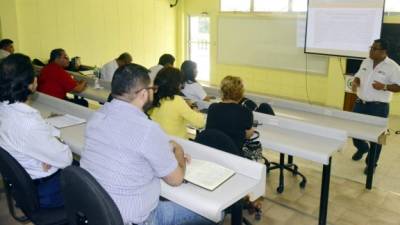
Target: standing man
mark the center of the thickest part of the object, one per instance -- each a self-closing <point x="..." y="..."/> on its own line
<point x="6" y="48"/>
<point x="55" y="81"/>
<point x="108" y="69"/>
<point x="164" y="61"/>
<point x="375" y="81"/>
<point x="129" y="154"/>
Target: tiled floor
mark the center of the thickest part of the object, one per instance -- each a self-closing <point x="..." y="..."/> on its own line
<point x="349" y="202"/>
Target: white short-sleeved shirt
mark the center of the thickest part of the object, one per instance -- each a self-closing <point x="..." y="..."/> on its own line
<point x="31" y="141"/>
<point x="154" y="70"/>
<point x="194" y="91"/>
<point x="108" y="70"/>
<point x="386" y="72"/>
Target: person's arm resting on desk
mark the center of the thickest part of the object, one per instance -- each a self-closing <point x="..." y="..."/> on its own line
<point x="80" y="86"/>
<point x="176" y="177"/>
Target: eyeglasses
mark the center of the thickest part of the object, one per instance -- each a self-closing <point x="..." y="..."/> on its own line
<point x="375" y="48"/>
<point x="154" y="88"/>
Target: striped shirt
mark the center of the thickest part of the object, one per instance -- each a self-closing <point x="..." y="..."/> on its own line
<point x="31" y="141"/>
<point x="128" y="154"/>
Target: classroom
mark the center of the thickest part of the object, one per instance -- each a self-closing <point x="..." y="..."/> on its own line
<point x="268" y="97"/>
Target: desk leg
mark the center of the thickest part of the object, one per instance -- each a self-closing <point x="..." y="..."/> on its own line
<point x="370" y="167"/>
<point x="323" y="204"/>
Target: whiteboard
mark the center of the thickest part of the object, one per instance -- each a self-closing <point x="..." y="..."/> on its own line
<point x="270" y="42"/>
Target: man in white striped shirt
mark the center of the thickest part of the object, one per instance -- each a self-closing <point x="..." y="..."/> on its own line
<point x="128" y="154"/>
<point x="24" y="133"/>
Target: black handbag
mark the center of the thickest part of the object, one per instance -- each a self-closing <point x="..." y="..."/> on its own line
<point x="252" y="148"/>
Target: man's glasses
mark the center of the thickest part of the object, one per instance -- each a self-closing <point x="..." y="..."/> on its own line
<point x="154" y="88"/>
<point x="375" y="48"/>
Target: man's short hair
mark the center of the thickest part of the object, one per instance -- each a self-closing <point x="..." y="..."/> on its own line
<point x="55" y="54"/>
<point x="125" y="57"/>
<point x="130" y="77"/>
<point x="383" y="43"/>
<point x="16" y="74"/>
<point x="5" y="43"/>
<point x="166" y="59"/>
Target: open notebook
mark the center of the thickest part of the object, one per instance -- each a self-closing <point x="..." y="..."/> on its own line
<point x="66" y="120"/>
<point x="207" y="174"/>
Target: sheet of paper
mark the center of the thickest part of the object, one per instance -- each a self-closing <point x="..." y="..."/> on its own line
<point x="207" y="174"/>
<point x="66" y="120"/>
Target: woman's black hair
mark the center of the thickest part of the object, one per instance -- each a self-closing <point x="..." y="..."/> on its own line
<point x="16" y="74"/>
<point x="169" y="82"/>
<point x="188" y="69"/>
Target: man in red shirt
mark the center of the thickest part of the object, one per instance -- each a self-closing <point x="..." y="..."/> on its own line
<point x="55" y="81"/>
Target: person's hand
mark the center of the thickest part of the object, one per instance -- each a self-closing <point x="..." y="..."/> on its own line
<point x="46" y="167"/>
<point x="354" y="85"/>
<point x="188" y="158"/>
<point x="378" y="85"/>
<point x="179" y="153"/>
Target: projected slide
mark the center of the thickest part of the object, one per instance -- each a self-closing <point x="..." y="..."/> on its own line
<point x="343" y="27"/>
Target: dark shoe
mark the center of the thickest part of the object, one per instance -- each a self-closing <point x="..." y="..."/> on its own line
<point x="358" y="155"/>
<point x="366" y="170"/>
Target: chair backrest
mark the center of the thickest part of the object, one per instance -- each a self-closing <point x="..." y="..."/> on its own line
<point x="266" y="109"/>
<point x="86" y="201"/>
<point x="18" y="183"/>
<point x="219" y="140"/>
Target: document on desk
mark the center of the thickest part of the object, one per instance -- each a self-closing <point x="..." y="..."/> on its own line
<point x="66" y="120"/>
<point x="207" y="174"/>
<point x="87" y="72"/>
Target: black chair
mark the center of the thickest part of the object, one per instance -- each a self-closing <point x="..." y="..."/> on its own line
<point x="217" y="139"/>
<point x="86" y="201"/>
<point x="37" y="62"/>
<point x="289" y="166"/>
<point x="19" y="187"/>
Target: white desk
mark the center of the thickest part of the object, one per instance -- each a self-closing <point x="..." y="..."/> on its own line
<point x="369" y="128"/>
<point x="249" y="178"/>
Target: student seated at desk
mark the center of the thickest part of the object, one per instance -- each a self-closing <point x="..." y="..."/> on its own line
<point x="192" y="89"/>
<point x="229" y="116"/>
<point x="108" y="69"/>
<point x="169" y="109"/>
<point x="129" y="154"/>
<point x="55" y="81"/>
<point x="26" y="136"/>
<point x="164" y="61"/>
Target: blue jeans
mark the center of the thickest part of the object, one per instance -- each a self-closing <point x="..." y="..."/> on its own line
<point x="380" y="109"/>
<point x="49" y="191"/>
<point x="169" y="213"/>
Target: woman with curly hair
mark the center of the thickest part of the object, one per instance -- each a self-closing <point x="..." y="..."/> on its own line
<point x="229" y="116"/>
<point x="169" y="109"/>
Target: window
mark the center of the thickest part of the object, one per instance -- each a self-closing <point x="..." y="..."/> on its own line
<point x="235" y="5"/>
<point x="299" y="5"/>
<point x="271" y="5"/>
<point x="392" y="6"/>
<point x="199" y="45"/>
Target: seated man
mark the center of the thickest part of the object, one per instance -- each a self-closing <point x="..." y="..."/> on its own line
<point x="108" y="70"/>
<point x="164" y="61"/>
<point x="24" y="133"/>
<point x="129" y="154"/>
<point x="55" y="81"/>
<point x="6" y="48"/>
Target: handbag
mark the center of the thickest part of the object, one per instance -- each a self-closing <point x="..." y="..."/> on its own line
<point x="252" y="148"/>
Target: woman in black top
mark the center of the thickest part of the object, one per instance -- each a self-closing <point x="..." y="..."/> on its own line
<point x="229" y="116"/>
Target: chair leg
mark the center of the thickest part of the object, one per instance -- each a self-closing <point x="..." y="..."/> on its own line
<point x="290" y="166"/>
<point x="11" y="207"/>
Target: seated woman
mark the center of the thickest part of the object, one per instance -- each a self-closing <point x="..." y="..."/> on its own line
<point x="229" y="116"/>
<point x="169" y="109"/>
<point x="192" y="89"/>
<point x="25" y="134"/>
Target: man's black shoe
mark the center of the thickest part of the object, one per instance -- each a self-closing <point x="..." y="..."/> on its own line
<point x="358" y="155"/>
<point x="366" y="170"/>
